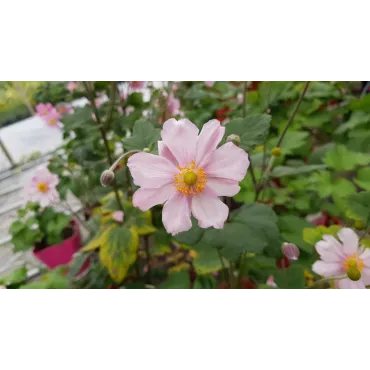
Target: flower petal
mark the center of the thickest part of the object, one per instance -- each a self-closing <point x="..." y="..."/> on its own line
<point x="208" y="209"/>
<point x="151" y="171"/>
<point x="349" y="240"/>
<point x="223" y="187"/>
<point x="329" y="250"/>
<point x="176" y="214"/>
<point x="228" y="161"/>
<point x="163" y="151"/>
<point x="210" y="136"/>
<point x="327" y="269"/>
<point x="365" y="275"/>
<point x="349" y="284"/>
<point x="181" y="138"/>
<point x="148" y="198"/>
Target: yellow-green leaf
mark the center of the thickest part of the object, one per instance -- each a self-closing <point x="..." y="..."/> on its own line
<point x="119" y="252"/>
<point x="314" y="235"/>
<point x="98" y="241"/>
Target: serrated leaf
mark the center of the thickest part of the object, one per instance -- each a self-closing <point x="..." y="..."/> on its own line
<point x="118" y="253"/>
<point x="252" y="130"/>
<point x="191" y="237"/>
<point x="100" y="240"/>
<point x="341" y="159"/>
<point x="281" y="171"/>
<point x="358" y="206"/>
<point x="363" y="178"/>
<point x="314" y="235"/>
<point x="207" y="260"/>
<point x="144" y="136"/>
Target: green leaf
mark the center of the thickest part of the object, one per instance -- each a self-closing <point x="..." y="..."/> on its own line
<point x="252" y="130"/>
<point x="362" y="104"/>
<point x="314" y="235"/>
<point x="281" y="171"/>
<point x="15" y="277"/>
<point x="119" y="251"/>
<point x="291" y="228"/>
<point x="358" y="206"/>
<point x="294" y="141"/>
<point x="252" y="228"/>
<point x="291" y="278"/>
<point x="363" y="178"/>
<point x="207" y="260"/>
<point x="144" y="136"/>
<point x="177" y="280"/>
<point x="357" y="119"/>
<point x="192" y="236"/>
<point x="341" y="159"/>
<point x="342" y="188"/>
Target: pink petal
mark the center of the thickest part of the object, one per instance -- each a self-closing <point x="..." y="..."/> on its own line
<point x="229" y="162"/>
<point x="148" y="198"/>
<point x="365" y="275"/>
<point x="163" y="151"/>
<point x="181" y="138"/>
<point x="210" y="136"/>
<point x="349" y="240"/>
<point x="176" y="214"/>
<point x="329" y="251"/>
<point x="209" y="210"/>
<point x="223" y="187"/>
<point x="151" y="171"/>
<point x="327" y="269"/>
<point x="349" y="284"/>
<point x="118" y="216"/>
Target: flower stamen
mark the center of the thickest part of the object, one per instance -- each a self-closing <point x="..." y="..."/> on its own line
<point x="190" y="180"/>
<point x="42" y="187"/>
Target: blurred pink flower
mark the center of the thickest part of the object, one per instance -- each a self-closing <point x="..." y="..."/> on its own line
<point x="189" y="175"/>
<point x="120" y="110"/>
<point x="64" y="109"/>
<point x="209" y="83"/>
<point x="52" y="118"/>
<point x="123" y="95"/>
<point x="345" y="257"/>
<point x="72" y="85"/>
<point x="137" y="85"/>
<point x="240" y="98"/>
<point x="271" y="282"/>
<point x="118" y="216"/>
<point x="42" y="188"/>
<point x="291" y="251"/>
<point x="43" y="109"/>
<point x="99" y="101"/>
<point x="173" y="105"/>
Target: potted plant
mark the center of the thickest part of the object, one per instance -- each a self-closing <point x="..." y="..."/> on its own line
<point x="53" y="236"/>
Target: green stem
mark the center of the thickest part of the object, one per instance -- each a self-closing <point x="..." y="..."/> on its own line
<point x="147" y="251"/>
<point x="90" y="96"/>
<point x="7" y="154"/>
<point x="227" y="280"/>
<point x="113" y="98"/>
<point x="318" y="282"/>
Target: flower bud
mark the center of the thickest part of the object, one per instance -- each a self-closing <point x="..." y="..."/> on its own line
<point x="107" y="177"/>
<point x="235" y="139"/>
<point x="146" y="150"/>
<point x="354" y="274"/>
<point x="359" y="225"/>
<point x="276" y="152"/>
<point x="291" y="251"/>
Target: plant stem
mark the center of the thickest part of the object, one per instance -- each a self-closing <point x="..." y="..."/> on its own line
<point x="327" y="279"/>
<point x="90" y="96"/>
<point x="226" y="276"/>
<point x="113" y="98"/>
<point x="7" y="154"/>
<point x="281" y="138"/>
<point x="241" y="269"/>
<point x="149" y="271"/>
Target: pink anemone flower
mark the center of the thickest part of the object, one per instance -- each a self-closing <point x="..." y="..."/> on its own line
<point x="271" y="282"/>
<point x="189" y="175"/>
<point x="118" y="216"/>
<point x="42" y="188"/>
<point x="72" y="86"/>
<point x="52" y="119"/>
<point x="137" y="85"/>
<point x="209" y="83"/>
<point x="173" y="105"/>
<point x="44" y="109"/>
<point x="344" y="258"/>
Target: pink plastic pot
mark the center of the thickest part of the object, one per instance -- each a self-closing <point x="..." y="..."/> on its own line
<point x="61" y="254"/>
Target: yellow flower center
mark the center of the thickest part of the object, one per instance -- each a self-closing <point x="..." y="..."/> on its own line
<point x="353" y="262"/>
<point x="43" y="188"/>
<point x="190" y="180"/>
<point x="52" y="121"/>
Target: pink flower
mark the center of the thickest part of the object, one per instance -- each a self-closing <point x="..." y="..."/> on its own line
<point x="44" y="109"/>
<point x="120" y="110"/>
<point x="123" y="95"/>
<point x="52" y="118"/>
<point x="64" y="109"/>
<point x="345" y="257"/>
<point x="137" y="85"/>
<point x="209" y="83"/>
<point x="290" y="251"/>
<point x="99" y="101"/>
<point x="118" y="216"/>
<point x="189" y="175"/>
<point x="271" y="282"/>
<point x="42" y="188"/>
<point x="173" y="105"/>
<point x="72" y="85"/>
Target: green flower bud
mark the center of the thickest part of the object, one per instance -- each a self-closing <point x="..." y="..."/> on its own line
<point x="359" y="225"/>
<point x="235" y="139"/>
<point x="107" y="177"/>
<point x="276" y="152"/>
<point x="146" y="150"/>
